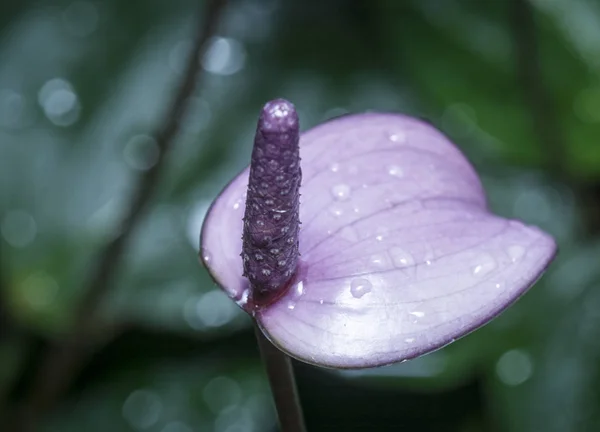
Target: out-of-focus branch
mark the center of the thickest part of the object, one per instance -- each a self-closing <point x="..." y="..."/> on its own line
<point x="5" y="329"/>
<point x="535" y="93"/>
<point x="65" y="359"/>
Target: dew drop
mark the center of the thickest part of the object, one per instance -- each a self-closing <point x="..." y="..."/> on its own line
<point x="360" y="287"/>
<point x="485" y="265"/>
<point x="341" y="192"/>
<point x="416" y="316"/>
<point x="243" y="300"/>
<point x="379" y="238"/>
<point x="334" y="167"/>
<point x="398" y="137"/>
<point x="499" y="285"/>
<point x="321" y="301"/>
<point x="378" y="260"/>
<point x="395" y="171"/>
<point x="336" y="211"/>
<point x="409" y="340"/>
<point x="206" y="256"/>
<point x="401" y="258"/>
<point x="515" y="252"/>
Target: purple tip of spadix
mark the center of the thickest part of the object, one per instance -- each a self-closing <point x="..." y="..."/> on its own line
<point x="278" y="115"/>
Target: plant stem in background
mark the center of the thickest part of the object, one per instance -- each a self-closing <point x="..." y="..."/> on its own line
<point x="546" y="122"/>
<point x="63" y="361"/>
<point x="537" y="97"/>
<point x="283" y="385"/>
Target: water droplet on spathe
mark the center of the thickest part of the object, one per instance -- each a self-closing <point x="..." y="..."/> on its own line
<point x="400" y="257"/>
<point x="243" y="300"/>
<point x="360" y="287"/>
<point x="409" y="340"/>
<point x="378" y="260"/>
<point x="341" y="192"/>
<point x="398" y="137"/>
<point x="206" y="256"/>
<point x="416" y="316"/>
<point x="334" y="167"/>
<point x="515" y="252"/>
<point x="395" y="171"/>
<point x="336" y="211"/>
<point x="485" y="265"/>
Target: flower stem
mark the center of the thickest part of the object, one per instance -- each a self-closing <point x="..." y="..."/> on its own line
<point x="536" y="93"/>
<point x="283" y="385"/>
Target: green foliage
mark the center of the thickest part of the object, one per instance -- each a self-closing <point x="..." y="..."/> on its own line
<point x="83" y="84"/>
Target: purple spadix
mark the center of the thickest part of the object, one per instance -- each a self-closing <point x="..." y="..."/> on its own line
<point x="271" y="224"/>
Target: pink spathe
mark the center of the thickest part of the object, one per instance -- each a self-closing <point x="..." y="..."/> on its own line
<point x="399" y="253"/>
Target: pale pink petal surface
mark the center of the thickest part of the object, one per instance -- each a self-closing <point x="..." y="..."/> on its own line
<point x="399" y="254"/>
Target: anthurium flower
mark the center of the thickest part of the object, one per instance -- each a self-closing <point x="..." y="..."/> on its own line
<point x="396" y="255"/>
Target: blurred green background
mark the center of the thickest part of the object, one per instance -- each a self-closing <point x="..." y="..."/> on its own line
<point x="82" y="86"/>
